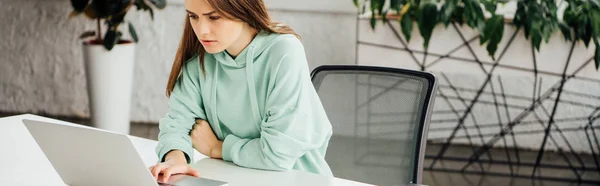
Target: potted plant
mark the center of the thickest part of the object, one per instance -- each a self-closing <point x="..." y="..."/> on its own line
<point x="580" y="20"/>
<point x="109" y="59"/>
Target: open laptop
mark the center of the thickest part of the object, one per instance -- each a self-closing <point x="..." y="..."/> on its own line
<point x="88" y="156"/>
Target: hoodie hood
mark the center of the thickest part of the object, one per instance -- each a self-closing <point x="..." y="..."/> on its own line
<point x="256" y="47"/>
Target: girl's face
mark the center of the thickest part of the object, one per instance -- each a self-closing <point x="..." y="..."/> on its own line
<point x="215" y="32"/>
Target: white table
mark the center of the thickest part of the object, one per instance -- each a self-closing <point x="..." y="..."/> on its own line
<point x="22" y="162"/>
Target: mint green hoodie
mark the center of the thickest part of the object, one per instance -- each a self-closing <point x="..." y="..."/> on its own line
<point x="262" y="105"/>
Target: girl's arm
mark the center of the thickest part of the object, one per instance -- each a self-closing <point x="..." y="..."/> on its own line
<point x="185" y="106"/>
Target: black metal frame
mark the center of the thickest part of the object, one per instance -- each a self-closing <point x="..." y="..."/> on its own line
<point x="424" y="120"/>
<point x="550" y="126"/>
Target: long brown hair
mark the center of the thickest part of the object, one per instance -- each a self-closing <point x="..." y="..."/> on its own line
<point x="252" y="12"/>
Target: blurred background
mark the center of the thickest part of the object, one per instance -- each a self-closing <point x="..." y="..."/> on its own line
<point x="522" y="108"/>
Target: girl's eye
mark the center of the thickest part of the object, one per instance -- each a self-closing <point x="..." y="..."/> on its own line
<point x="192" y="16"/>
<point x="214" y="18"/>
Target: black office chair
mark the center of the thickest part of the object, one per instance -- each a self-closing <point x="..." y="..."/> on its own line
<point x="380" y="119"/>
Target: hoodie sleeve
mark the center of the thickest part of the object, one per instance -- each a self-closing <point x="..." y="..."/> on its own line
<point x="295" y="121"/>
<point x="185" y="106"/>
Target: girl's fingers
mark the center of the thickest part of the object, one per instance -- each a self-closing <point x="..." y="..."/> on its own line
<point x="169" y="170"/>
<point x="167" y="173"/>
<point x="192" y="172"/>
<point x="156" y="170"/>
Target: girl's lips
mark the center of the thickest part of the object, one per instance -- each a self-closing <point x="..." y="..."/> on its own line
<point x="207" y="42"/>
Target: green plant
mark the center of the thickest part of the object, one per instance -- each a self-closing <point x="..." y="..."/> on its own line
<point x="113" y="13"/>
<point x="538" y="18"/>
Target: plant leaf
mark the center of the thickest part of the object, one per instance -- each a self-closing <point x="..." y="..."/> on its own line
<point x="160" y="4"/>
<point x="374" y="6"/>
<point x="566" y="31"/>
<point x="490" y="29"/>
<point x="364" y="8"/>
<point x="490" y="5"/>
<point x="373" y="20"/>
<point x="536" y="35"/>
<point x="597" y="54"/>
<point x="355" y="3"/>
<point x="474" y="15"/>
<point x="548" y="29"/>
<point x="427" y="19"/>
<point x="405" y="9"/>
<point x="520" y="19"/>
<point x="536" y="40"/>
<point x="569" y="16"/>
<point x="587" y="35"/>
<point x="395" y="5"/>
<point x="494" y="30"/>
<point x="108" y="8"/>
<point x="407" y="26"/>
<point x="595" y="21"/>
<point x="79" y="5"/>
<point x="447" y="11"/>
<point x="380" y="7"/>
<point x="134" y="35"/>
<point x="458" y="15"/>
<point x="111" y="38"/>
<point x="141" y="4"/>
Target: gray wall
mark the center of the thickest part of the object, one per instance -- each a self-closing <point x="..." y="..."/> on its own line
<point x="41" y="62"/>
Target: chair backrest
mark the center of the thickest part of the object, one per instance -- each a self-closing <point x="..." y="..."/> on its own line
<point x="380" y="118"/>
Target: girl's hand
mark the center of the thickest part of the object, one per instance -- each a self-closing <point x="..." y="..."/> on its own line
<point x="175" y="163"/>
<point x="205" y="141"/>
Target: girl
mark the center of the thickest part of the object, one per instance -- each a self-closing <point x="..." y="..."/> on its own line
<point x="240" y="90"/>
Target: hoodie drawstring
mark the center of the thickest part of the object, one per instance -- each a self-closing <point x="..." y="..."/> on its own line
<point x="251" y="87"/>
<point x="214" y="104"/>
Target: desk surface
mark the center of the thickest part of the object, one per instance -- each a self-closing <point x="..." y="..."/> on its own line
<point x="23" y="160"/>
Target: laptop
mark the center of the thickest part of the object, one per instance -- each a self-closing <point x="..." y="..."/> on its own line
<point x="89" y="156"/>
